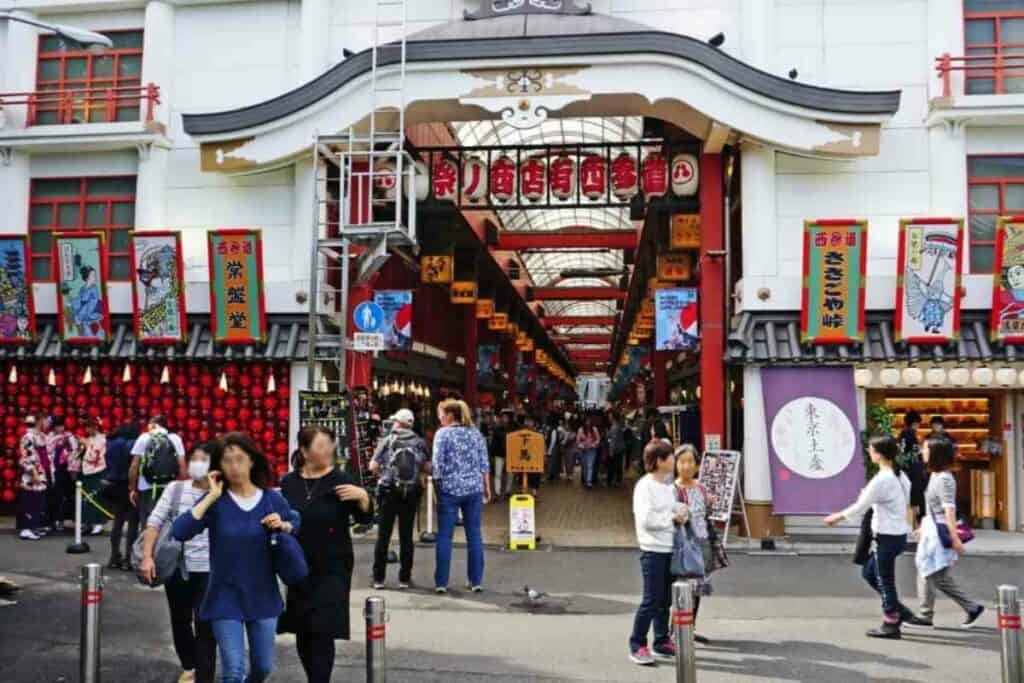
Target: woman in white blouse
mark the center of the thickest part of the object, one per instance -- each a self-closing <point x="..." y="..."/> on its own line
<point x="888" y="496"/>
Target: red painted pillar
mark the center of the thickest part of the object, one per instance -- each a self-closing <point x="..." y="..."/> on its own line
<point x="712" y="300"/>
<point x="658" y="359"/>
<point x="358" y="366"/>
<point x="472" y="326"/>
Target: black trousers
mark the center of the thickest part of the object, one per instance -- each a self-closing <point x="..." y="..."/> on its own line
<point x="616" y="462"/>
<point x="193" y="638"/>
<point x="393" y="503"/>
<point x="124" y="516"/>
<point x="59" y="498"/>
<point x="316" y="652"/>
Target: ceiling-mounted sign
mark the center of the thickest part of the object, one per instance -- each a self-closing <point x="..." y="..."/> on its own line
<point x="562" y="177"/>
<point x="498" y="322"/>
<point x="593" y="176"/>
<point x="484" y="309"/>
<point x="436" y="269"/>
<point x="675" y="266"/>
<point x="533" y="179"/>
<point x="684" y="232"/>
<point x="1007" y="321"/>
<point x="463" y="292"/>
<point x="834" y="268"/>
<point x="503" y="178"/>
<point x="928" y="280"/>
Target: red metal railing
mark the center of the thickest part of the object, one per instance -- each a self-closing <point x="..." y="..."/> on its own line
<point x="996" y="67"/>
<point x="85" y="105"/>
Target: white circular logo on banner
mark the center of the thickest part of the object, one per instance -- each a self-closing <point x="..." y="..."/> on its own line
<point x="813" y="437"/>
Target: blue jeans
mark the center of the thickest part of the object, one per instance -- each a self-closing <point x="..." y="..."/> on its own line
<point x="657" y="600"/>
<point x="448" y="507"/>
<point x="231" y="637"/>
<point x="880" y="573"/>
<point x="589" y="464"/>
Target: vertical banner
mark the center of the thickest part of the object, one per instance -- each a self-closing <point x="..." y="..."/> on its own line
<point x="237" y="311"/>
<point x="675" y="319"/>
<point x="1008" y="283"/>
<point x="83" y="314"/>
<point x="487" y="362"/>
<point x="17" y="313"/>
<point x="158" y="293"/>
<point x="928" y="280"/>
<point x="834" y="267"/>
<point x="810" y="416"/>
<point x="396" y="307"/>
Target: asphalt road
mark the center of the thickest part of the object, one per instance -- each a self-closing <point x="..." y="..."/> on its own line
<point x="773" y="618"/>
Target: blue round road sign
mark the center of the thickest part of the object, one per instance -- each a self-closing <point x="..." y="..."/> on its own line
<point x="368" y="317"/>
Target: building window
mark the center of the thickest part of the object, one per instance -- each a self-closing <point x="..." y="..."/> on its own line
<point x="86" y="87"/>
<point x="104" y="204"/>
<point x="994" y="31"/>
<point x="995" y="188"/>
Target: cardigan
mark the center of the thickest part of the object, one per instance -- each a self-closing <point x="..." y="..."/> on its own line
<point x="243" y="584"/>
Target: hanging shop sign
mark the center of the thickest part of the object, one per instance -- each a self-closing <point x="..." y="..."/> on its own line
<point x="237" y="311"/>
<point x="17" y="311"/>
<point x="158" y="291"/>
<point x="503" y="178"/>
<point x="593" y="176"/>
<point x="83" y="314"/>
<point x="685" y="231"/>
<point x="444" y="184"/>
<point x="396" y="308"/>
<point x="676" y="319"/>
<point x="685" y="175"/>
<point x="647" y="308"/>
<point x="474" y="179"/>
<point x="814" y="447"/>
<point x="675" y="266"/>
<point x="928" y="280"/>
<point x="463" y="292"/>
<point x="484" y="309"/>
<point x="1007" y="321"/>
<point x="498" y="323"/>
<point x="436" y="269"/>
<point x="834" y="268"/>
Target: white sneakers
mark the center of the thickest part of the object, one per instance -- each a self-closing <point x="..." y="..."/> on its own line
<point x="96" y="530"/>
<point x="29" y="535"/>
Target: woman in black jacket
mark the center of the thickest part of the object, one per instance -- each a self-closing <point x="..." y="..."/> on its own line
<point x="327" y="499"/>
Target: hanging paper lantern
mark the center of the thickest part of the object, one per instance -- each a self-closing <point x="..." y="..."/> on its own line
<point x="8" y="496"/>
<point x="593" y="177"/>
<point x="1006" y="376"/>
<point x="445" y="180"/>
<point x="655" y="175"/>
<point x="503" y="178"/>
<point x="912" y="376"/>
<point x="562" y="177"/>
<point x="255" y="426"/>
<point x="384" y="181"/>
<point x="421" y="181"/>
<point x="983" y="375"/>
<point x="685" y="175"/>
<point x="890" y="377"/>
<point x="624" y="176"/>
<point x="862" y="377"/>
<point x="533" y="179"/>
<point x="282" y="448"/>
<point x="935" y="377"/>
<point x="959" y="376"/>
<point x="231" y="425"/>
<point x="474" y="179"/>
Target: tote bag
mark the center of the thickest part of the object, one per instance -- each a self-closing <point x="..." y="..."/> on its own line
<point x="687" y="554"/>
<point x="168" y="552"/>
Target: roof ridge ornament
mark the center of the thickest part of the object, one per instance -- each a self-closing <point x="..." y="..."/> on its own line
<point x="502" y="8"/>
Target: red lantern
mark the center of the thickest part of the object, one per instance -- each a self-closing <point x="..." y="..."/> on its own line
<point x="206" y="380"/>
<point x="282" y="414"/>
<point x="205" y="404"/>
<point x="106" y="400"/>
<point x="655" y="175"/>
<point x="270" y="402"/>
<point x="155" y="391"/>
<point x="231" y="370"/>
<point x="624" y="176"/>
<point x="192" y="391"/>
<point x="563" y="177"/>
<point x="8" y="474"/>
<point x="193" y="424"/>
<point x="257" y="370"/>
<point x="70" y="422"/>
<point x="256" y="392"/>
<point x="219" y="414"/>
<point x="533" y="177"/>
<point x="268" y="437"/>
<point x="130" y="390"/>
<point x="446" y="175"/>
<point x="143" y="402"/>
<point x="282" y="448"/>
<point x="118" y="413"/>
<point x="255" y="425"/>
<point x="474" y="179"/>
<point x="503" y="178"/>
<point x="593" y="178"/>
<point x="685" y="175"/>
<point x="245" y="381"/>
<point x="46" y="401"/>
<point x="244" y="414"/>
<point x="180" y="414"/>
<point x="204" y="435"/>
<point x="231" y="425"/>
<point x="11" y="440"/>
<point x="8" y="496"/>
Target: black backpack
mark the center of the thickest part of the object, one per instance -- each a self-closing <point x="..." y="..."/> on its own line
<point x="403" y="465"/>
<point x="160" y="461"/>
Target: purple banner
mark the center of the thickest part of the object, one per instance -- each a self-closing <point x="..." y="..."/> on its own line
<point x="813" y="440"/>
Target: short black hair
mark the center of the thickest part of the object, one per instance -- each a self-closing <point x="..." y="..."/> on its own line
<point x="886" y="446"/>
<point x="941" y="453"/>
<point x="912" y="417"/>
<point x="210" y="447"/>
<point x="938" y="420"/>
<point x="260" y="474"/>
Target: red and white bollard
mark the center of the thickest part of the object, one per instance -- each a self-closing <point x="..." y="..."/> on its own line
<point x="682" y="627"/>
<point x="89" y="640"/>
<point x="1009" y="633"/>
<point x="375" y="614"/>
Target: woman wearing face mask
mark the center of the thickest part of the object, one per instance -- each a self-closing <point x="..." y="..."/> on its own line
<point x="327" y="499"/>
<point x="242" y="599"/>
<point x="193" y="637"/>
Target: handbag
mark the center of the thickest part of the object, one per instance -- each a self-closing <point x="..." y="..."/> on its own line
<point x="168" y="552"/>
<point x="288" y="558"/>
<point x="688" y="557"/>
<point x="963" y="531"/>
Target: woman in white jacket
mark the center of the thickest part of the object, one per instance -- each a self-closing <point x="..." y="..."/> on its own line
<point x="656" y="513"/>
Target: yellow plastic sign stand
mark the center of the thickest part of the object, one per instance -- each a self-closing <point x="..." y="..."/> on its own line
<point x="522" y="528"/>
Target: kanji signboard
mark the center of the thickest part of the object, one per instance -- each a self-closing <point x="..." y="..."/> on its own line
<point x="525" y="451"/>
<point x="685" y="231"/>
<point x="675" y="266"/>
<point x="834" y="266"/>
<point x="463" y="292"/>
<point x="436" y="269"/>
<point x="237" y="311"/>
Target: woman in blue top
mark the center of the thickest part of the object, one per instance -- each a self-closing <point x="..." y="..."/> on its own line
<point x="460" y="471"/>
<point x="242" y="597"/>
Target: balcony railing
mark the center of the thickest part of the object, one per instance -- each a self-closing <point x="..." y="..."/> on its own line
<point x="85" y="105"/>
<point x="992" y="74"/>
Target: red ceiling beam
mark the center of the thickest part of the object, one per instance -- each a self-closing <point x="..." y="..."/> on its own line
<point x="578" y="320"/>
<point x="583" y="339"/>
<point x="517" y="240"/>
<point x="575" y="293"/>
<point x="589" y="354"/>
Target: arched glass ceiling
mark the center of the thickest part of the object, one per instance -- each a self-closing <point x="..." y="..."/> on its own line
<point x="610" y="218"/>
<point x="551" y="132"/>
<point x="587" y="308"/>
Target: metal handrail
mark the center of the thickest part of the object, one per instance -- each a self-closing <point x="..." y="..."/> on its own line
<point x="77" y="101"/>
<point x="997" y="66"/>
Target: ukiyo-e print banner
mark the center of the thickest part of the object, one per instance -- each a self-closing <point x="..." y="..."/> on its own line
<point x="928" y="280"/>
<point x="17" y="314"/>
<point x="1008" y="282"/>
<point x="834" y="268"/>
<point x="157" y="287"/>
<point x="810" y="416"/>
<point x="83" y="314"/>
<point x="237" y="310"/>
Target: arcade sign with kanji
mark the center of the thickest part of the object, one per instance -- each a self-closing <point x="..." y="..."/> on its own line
<point x="834" y="268"/>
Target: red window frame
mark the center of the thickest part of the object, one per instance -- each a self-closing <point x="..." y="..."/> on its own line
<point x="1015" y="66"/>
<point x="1000" y="182"/>
<point x="82" y="200"/>
<point x="96" y="89"/>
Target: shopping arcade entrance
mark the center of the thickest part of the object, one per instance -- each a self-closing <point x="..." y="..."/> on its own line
<point x="571" y="68"/>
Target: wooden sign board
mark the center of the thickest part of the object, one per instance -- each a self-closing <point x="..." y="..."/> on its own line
<point x="484" y="309"/>
<point x="685" y="231"/>
<point x="524" y="452"/>
<point x="498" y="323"/>
<point x="463" y="292"/>
<point x="675" y="266"/>
<point x="436" y="269"/>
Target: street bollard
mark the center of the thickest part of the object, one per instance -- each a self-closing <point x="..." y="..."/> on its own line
<point x="79" y="546"/>
<point x="429" y="536"/>
<point x="376" y="627"/>
<point x="682" y="623"/>
<point x="89" y="640"/>
<point x="1009" y="632"/>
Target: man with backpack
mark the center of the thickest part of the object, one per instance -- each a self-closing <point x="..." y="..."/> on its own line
<point x="158" y="458"/>
<point x="400" y="462"/>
